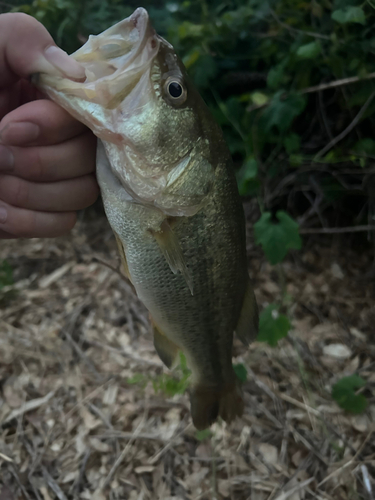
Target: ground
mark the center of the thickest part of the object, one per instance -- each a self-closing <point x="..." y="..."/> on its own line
<point x="79" y="415"/>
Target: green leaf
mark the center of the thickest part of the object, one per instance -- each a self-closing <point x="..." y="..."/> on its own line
<point x="309" y="50"/>
<point x="276" y="76"/>
<point x="203" y="435"/>
<point x="272" y="326"/>
<point x="365" y="146"/>
<point x="247" y="177"/>
<point x="191" y="58"/>
<point x="6" y="274"/>
<point x="292" y="143"/>
<point x="295" y="160"/>
<point x="281" y="111"/>
<point x="138" y="379"/>
<point x="344" y="393"/>
<point x="349" y="15"/>
<point x="277" y="238"/>
<point x="205" y="69"/>
<point x="259" y="99"/>
<point x="240" y="371"/>
<point x="190" y="30"/>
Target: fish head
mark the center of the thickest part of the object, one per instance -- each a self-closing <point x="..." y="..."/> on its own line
<point x="157" y="132"/>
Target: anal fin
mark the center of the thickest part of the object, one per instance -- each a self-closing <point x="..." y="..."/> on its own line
<point x="166" y="349"/>
<point x="171" y="248"/>
<point x="248" y="323"/>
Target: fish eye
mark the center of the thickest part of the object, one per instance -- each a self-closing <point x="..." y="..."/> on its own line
<point x="175" y="90"/>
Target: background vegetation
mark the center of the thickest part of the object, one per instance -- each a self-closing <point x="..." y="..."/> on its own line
<point x="263" y="68"/>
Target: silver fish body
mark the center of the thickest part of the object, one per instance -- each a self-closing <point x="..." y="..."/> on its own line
<point x="170" y="195"/>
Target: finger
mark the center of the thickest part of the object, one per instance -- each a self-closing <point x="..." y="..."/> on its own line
<point x="14" y="96"/>
<point x="5" y="236"/>
<point x="26" y="47"/>
<point x="68" y="160"/>
<point x="62" y="196"/>
<point x="22" y="223"/>
<point x="39" y="123"/>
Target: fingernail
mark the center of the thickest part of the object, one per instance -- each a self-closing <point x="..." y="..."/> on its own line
<point x="19" y="133"/>
<point x="3" y="215"/>
<point x="64" y="63"/>
<point x="6" y="158"/>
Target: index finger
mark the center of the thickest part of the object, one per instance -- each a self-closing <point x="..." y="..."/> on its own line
<point x="26" y="47"/>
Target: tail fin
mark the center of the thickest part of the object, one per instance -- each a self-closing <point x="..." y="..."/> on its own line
<point x="208" y="403"/>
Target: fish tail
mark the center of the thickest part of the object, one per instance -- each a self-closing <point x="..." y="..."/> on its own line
<point x="209" y="403"/>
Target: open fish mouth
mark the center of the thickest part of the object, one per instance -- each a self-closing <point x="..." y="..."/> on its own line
<point x="120" y="102"/>
<point x="115" y="62"/>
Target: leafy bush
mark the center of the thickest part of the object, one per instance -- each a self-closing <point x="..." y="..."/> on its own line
<point x="259" y="65"/>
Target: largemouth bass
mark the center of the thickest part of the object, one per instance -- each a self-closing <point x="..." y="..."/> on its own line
<point x="170" y="195"/>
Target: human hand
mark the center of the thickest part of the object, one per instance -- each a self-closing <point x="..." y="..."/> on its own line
<point x="47" y="158"/>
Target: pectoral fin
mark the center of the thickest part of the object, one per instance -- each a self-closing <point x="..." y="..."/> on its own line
<point x="170" y="246"/>
<point x="247" y="326"/>
<point x="121" y="251"/>
<point x="166" y="349"/>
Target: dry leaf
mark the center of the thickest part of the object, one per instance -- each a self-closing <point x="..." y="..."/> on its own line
<point x="88" y="418"/>
<point x="99" y="445"/>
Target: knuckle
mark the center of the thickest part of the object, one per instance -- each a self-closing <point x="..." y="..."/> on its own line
<point x="70" y="223"/>
<point x="23" y="224"/>
<point x="13" y="190"/>
<point x="36" y="164"/>
<point x="87" y="191"/>
<point x="19" y="192"/>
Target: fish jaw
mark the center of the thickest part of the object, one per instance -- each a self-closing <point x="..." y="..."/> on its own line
<point x="115" y="62"/>
<point x="121" y="101"/>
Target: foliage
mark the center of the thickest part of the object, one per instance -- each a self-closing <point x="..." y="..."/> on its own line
<point x="240" y="372"/>
<point x="273" y="326"/>
<point x="203" y="435"/>
<point x="277" y="238"/>
<point x="344" y="393"/>
<point x="171" y="384"/>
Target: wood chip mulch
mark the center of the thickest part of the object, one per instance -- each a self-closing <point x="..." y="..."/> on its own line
<point x="79" y="416"/>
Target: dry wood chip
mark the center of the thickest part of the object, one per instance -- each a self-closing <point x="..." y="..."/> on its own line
<point x="29" y="406"/>
<point x="48" y="280"/>
<point x="339" y="351"/>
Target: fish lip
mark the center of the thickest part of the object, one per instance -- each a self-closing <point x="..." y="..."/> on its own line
<point x="140" y="20"/>
<point x="138" y="45"/>
<point x="139" y="14"/>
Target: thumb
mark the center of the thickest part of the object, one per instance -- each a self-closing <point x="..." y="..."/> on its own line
<point x="26" y="47"/>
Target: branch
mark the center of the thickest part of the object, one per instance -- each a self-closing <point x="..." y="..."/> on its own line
<point x="337" y="230"/>
<point x="319" y="88"/>
<point x="336" y="83"/>
<point x="297" y="31"/>
<point x="348" y="129"/>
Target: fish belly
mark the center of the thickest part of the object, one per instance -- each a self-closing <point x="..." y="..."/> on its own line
<point x="213" y="247"/>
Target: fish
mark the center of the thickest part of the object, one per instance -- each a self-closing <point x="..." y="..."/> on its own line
<point x="169" y="191"/>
